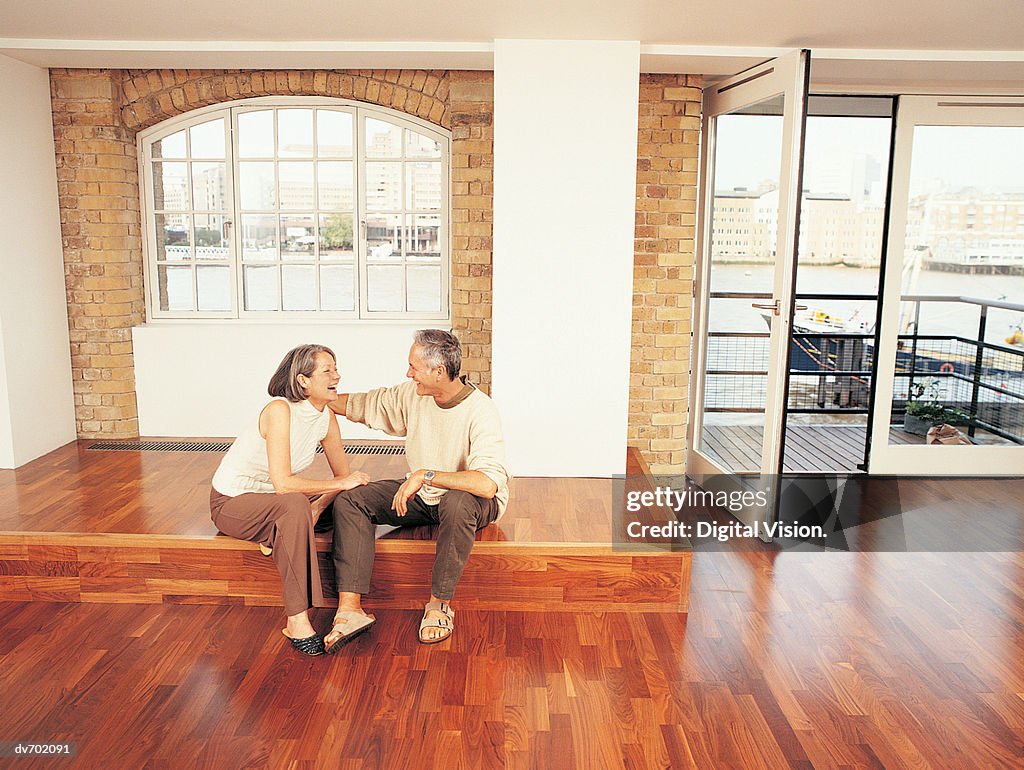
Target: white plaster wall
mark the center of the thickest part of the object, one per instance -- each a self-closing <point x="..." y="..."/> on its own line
<point x="6" y="437"/>
<point x="39" y="412"/>
<point x="211" y="380"/>
<point x="565" y="139"/>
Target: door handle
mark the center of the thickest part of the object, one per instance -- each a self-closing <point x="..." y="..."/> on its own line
<point x="774" y="307"/>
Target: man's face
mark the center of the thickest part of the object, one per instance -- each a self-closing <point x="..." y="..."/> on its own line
<point x="427" y="380"/>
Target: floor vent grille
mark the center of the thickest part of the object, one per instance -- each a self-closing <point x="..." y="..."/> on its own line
<point x="223" y="446"/>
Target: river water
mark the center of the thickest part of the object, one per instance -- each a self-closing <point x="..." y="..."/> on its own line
<point x="936" y="317"/>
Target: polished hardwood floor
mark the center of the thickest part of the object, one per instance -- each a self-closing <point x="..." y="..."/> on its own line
<point x="134" y="527"/>
<point x="77" y="489"/>
<point x="786" y="660"/>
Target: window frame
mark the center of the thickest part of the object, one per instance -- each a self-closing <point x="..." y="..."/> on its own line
<point x="230" y="111"/>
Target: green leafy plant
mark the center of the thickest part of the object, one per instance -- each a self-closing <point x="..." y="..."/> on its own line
<point x="923" y="403"/>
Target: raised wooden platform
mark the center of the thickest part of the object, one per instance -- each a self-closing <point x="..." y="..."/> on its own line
<point x="87" y="525"/>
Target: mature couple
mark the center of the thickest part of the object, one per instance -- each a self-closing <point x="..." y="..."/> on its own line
<point x="458" y="480"/>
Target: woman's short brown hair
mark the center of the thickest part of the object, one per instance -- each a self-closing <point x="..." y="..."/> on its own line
<point x="300" y="360"/>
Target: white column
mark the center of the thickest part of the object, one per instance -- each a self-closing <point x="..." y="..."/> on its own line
<point x="37" y="414"/>
<point x="565" y="143"/>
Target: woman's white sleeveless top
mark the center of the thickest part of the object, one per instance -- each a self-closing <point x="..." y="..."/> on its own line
<point x="245" y="467"/>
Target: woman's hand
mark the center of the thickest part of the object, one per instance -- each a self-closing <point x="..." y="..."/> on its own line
<point x="353" y="480"/>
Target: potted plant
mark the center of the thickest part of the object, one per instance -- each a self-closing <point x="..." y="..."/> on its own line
<point x="923" y="409"/>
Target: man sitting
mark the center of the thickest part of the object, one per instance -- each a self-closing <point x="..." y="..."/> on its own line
<point x="458" y="478"/>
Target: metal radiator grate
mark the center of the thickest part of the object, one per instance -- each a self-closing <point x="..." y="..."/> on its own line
<point x="392" y="448"/>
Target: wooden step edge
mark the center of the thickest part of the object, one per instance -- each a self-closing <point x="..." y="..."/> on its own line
<point x="385" y="545"/>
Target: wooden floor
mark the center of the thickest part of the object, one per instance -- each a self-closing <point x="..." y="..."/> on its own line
<point x="134" y="526"/>
<point x="809" y="448"/>
<point x="76" y="489"/>
<point x="786" y="661"/>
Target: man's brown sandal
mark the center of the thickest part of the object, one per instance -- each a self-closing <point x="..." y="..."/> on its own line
<point x="347" y="624"/>
<point x="446" y="624"/>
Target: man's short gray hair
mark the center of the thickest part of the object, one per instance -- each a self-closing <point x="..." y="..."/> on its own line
<point x="439" y="348"/>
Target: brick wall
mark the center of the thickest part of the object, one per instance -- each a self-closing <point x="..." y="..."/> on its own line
<point x="97" y="180"/>
<point x="472" y="114"/>
<point x="666" y="206"/>
<point x="96" y="115"/>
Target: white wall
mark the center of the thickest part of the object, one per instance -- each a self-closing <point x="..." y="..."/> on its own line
<point x="210" y="380"/>
<point x="39" y="413"/>
<point x="6" y="436"/>
<point x="565" y="143"/>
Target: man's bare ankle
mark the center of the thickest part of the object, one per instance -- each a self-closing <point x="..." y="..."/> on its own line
<point x="350" y="601"/>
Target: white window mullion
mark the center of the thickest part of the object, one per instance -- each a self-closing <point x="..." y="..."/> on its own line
<point x="359" y="227"/>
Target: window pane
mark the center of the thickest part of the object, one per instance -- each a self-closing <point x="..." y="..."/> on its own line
<point x="256" y="134"/>
<point x="256" y="183"/>
<point x="210" y="237"/>
<point x="260" y="288"/>
<point x="957" y="246"/>
<point x="336" y="237"/>
<point x="170" y="186"/>
<point x="420" y="146"/>
<point x="384" y="288"/>
<point x="296" y="185"/>
<point x="299" y="290"/>
<point x="209" y="182"/>
<point x="259" y="237"/>
<point x="383" y="186"/>
<point x="333" y="134"/>
<point x="175" y="286"/>
<point x="424" y="288"/>
<point x="422" y="239"/>
<point x="334" y="179"/>
<point x="297" y="237"/>
<point x="295" y="133"/>
<point x="214" y="288"/>
<point x="337" y="287"/>
<point x="382" y="238"/>
<point x="172" y="146"/>
<point x="207" y="139"/>
<point x="173" y="237"/>
<point x="423" y="185"/>
<point x="383" y="140"/>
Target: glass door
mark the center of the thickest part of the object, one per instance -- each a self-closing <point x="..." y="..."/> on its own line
<point x="950" y="392"/>
<point x="753" y="127"/>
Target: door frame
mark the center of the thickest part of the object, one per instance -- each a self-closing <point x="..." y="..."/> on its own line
<point x="787" y="76"/>
<point x="924" y="460"/>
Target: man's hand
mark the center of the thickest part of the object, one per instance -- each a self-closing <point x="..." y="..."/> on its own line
<point x="411" y="486"/>
<point x="339" y="405"/>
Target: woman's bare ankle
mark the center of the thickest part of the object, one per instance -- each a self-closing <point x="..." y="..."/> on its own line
<point x="299" y="627"/>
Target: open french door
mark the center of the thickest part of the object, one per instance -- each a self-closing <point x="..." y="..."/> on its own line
<point x="751" y="164"/>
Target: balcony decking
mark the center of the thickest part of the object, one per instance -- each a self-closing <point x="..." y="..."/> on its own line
<point x="808" y="449"/>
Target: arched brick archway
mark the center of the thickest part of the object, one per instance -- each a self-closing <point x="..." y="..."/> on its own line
<point x="151" y="96"/>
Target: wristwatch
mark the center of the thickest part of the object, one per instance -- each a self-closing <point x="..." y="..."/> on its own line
<point x="428" y="476"/>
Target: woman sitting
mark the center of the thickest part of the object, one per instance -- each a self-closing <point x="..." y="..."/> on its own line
<point x="258" y="494"/>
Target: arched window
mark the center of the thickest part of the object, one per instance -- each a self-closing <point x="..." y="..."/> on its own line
<point x="295" y="207"/>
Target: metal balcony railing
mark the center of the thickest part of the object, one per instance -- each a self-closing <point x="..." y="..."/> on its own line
<point x="831" y="371"/>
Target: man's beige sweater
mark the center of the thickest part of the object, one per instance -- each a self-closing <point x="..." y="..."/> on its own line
<point x="463" y="437"/>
